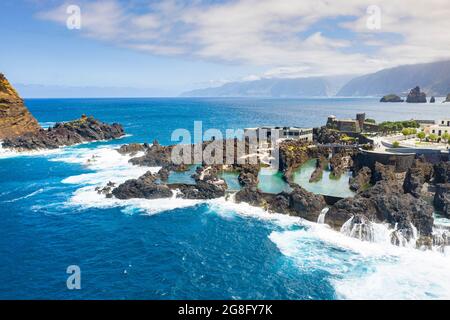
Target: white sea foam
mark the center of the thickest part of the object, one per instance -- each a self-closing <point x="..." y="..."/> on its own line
<point x="358" y="269"/>
<point x="87" y="197"/>
<point x="321" y="217"/>
<point x="442" y="222"/>
<point x="32" y="194"/>
<point x="109" y="165"/>
<point x="412" y="275"/>
<point x="8" y="153"/>
<point x="367" y="270"/>
<point x="46" y="125"/>
<point x="228" y="208"/>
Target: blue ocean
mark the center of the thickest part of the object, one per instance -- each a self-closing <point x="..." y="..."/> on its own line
<point x="51" y="217"/>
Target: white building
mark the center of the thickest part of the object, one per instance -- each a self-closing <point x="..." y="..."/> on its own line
<point x="439" y="128"/>
<point x="294" y="133"/>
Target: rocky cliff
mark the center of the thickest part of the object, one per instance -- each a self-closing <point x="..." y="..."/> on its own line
<point x="15" y="119"/>
<point x="20" y="131"/>
<point x="433" y="78"/>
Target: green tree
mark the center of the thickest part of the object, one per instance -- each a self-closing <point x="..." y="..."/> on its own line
<point x="421" y="135"/>
<point x="433" y="137"/>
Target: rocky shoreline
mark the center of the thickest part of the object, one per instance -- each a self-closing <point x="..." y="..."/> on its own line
<point x="403" y="197"/>
<point x="85" y="129"/>
<point x="399" y="200"/>
<point x="20" y="131"/>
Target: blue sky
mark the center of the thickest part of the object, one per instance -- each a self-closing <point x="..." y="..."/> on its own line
<point x="171" y="46"/>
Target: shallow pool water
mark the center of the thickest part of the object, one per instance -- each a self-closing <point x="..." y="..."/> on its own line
<point x="327" y="185"/>
<point x="271" y="181"/>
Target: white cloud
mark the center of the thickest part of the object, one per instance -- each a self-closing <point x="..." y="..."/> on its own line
<point x="272" y="33"/>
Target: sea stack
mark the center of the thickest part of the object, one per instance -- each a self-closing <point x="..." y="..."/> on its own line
<point x="15" y="119"/>
<point x="391" y="98"/>
<point x="416" y="96"/>
<point x="432" y="100"/>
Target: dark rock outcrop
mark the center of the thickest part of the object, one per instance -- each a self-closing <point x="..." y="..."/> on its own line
<point x="432" y="100"/>
<point x="305" y="204"/>
<point x="248" y="179"/>
<point x="339" y="163"/>
<point x="208" y="185"/>
<point x="442" y="199"/>
<point x="419" y="173"/>
<point x="361" y="181"/>
<point x="442" y="172"/>
<point x="325" y="135"/>
<point x="298" y="202"/>
<point x="163" y="174"/>
<point x="385" y="202"/>
<point x="279" y="203"/>
<point x="391" y="98"/>
<point x="155" y="156"/>
<point x="143" y="187"/>
<point x="106" y="190"/>
<point x="316" y="175"/>
<point x="251" y="195"/>
<point x="15" y="119"/>
<point x="292" y="154"/>
<point x="248" y="175"/>
<point x="202" y="190"/>
<point x="416" y="96"/>
<point x="132" y="148"/>
<point x="383" y="173"/>
<point x="447" y="99"/>
<point x="85" y="129"/>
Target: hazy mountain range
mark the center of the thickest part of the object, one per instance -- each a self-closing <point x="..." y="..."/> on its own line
<point x="433" y="78"/>
<point x="275" y="87"/>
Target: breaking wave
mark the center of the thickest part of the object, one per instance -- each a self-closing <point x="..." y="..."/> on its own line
<point x="27" y="195"/>
<point x="8" y="153"/>
<point x="373" y="269"/>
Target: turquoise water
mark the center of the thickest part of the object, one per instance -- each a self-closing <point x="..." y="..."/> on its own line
<point x="51" y="217"/>
<point x="271" y="181"/>
<point x="231" y="178"/>
<point x="327" y="185"/>
<point x="182" y="176"/>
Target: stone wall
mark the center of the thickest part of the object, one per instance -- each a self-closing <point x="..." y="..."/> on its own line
<point x="401" y="162"/>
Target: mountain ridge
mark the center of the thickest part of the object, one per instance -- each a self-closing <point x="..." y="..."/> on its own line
<point x="433" y="78"/>
<point x="274" y="87"/>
